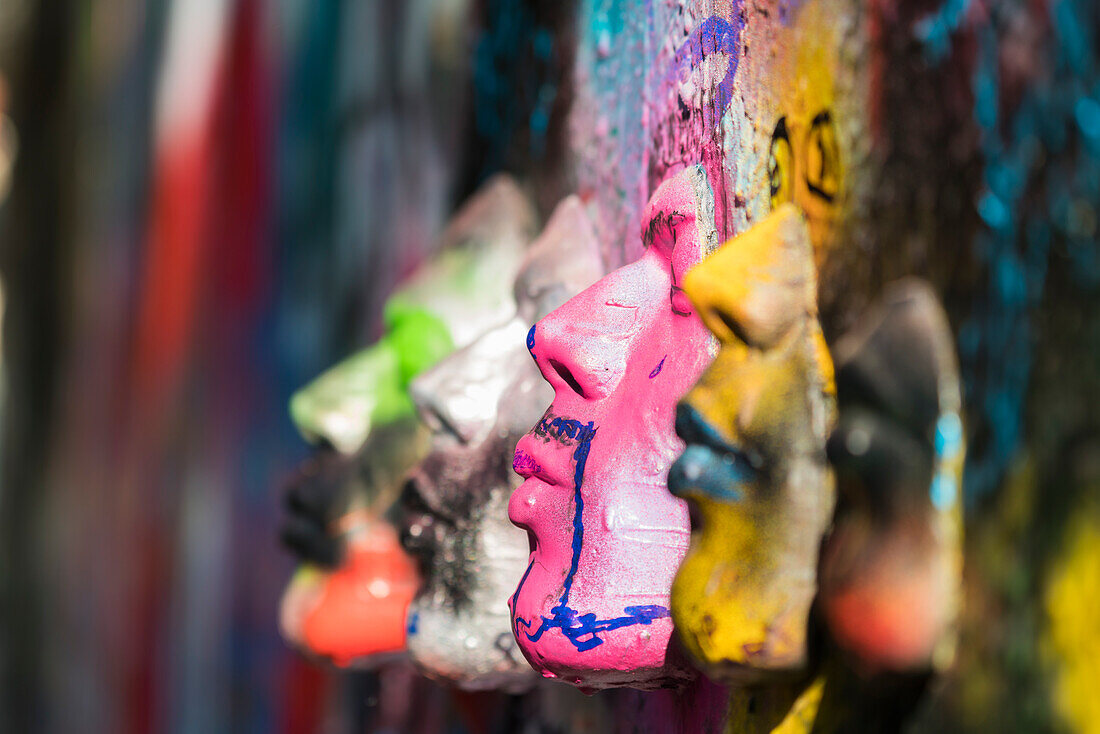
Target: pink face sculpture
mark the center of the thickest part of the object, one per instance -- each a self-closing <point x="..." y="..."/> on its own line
<point x="606" y="535"/>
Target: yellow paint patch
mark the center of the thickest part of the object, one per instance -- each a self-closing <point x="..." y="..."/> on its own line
<point x="742" y="595"/>
<point x="776" y="710"/>
<point x="806" y="160"/>
<point x="1073" y="616"/>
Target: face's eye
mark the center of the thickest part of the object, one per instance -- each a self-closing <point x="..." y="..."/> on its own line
<point x="681" y="305"/>
<point x="662" y="232"/>
<point x="822" y="158"/>
<point x="780" y="165"/>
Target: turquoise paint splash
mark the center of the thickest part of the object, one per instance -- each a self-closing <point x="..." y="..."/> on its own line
<point x="1049" y="144"/>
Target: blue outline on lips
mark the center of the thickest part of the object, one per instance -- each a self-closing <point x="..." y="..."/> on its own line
<point x="709" y="463"/>
<point x="572" y="624"/>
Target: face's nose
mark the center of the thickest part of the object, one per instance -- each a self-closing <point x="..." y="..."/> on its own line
<point x="754" y="293"/>
<point x="460" y="395"/>
<point x="583" y="347"/>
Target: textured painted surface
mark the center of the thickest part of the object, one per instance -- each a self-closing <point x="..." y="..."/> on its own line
<point x="754" y="468"/>
<point x="891" y="568"/>
<point x="478" y="402"/>
<point x="464" y="290"/>
<point x="592" y="607"/>
<point x="662" y="85"/>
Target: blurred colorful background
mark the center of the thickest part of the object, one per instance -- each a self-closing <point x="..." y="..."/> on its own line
<point x="209" y="203"/>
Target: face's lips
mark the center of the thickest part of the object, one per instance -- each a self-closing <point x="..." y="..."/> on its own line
<point x="694" y="429"/>
<point x="710" y="464"/>
<point x="548" y="470"/>
<point x="524" y="464"/>
<point x="553" y="464"/>
<point x="530" y="461"/>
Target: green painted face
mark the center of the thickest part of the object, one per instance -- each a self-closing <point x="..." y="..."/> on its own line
<point x="370" y="388"/>
<point x="465" y="289"/>
<point x="362" y="408"/>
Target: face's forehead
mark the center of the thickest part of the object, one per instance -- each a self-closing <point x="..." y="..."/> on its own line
<point x="678" y="221"/>
<point x="563" y="261"/>
<point x="540" y="271"/>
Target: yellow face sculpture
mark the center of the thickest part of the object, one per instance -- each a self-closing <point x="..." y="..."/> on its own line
<point x="754" y="471"/>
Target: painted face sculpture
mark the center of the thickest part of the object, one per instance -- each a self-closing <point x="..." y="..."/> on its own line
<point x="354" y="569"/>
<point x="891" y="568"/>
<point x="465" y="288"/>
<point x="754" y="470"/>
<point x="361" y="407"/>
<point x="478" y="402"/>
<point x="606" y="536"/>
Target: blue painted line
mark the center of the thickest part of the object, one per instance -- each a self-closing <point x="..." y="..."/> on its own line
<point x="573" y="625"/>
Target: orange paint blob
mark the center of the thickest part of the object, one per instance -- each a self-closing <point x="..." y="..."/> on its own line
<point x="358" y="611"/>
<point x="895" y="613"/>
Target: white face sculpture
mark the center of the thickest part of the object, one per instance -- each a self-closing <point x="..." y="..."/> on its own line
<point x="477" y="403"/>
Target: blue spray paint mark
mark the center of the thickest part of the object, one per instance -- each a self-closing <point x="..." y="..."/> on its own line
<point x="657" y="370"/>
<point x="574" y="625"/>
<point x="943" y="491"/>
<point x="715" y="35"/>
<point x="948" y="443"/>
<point x="414" y="620"/>
<point x="949" y="435"/>
<point x="531" y="341"/>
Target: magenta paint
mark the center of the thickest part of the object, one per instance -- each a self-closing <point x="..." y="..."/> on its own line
<point x="592" y="607"/>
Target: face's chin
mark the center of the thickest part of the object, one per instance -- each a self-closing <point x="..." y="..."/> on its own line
<point x="459" y="628"/>
<point x="608" y="624"/>
<point x="742" y="633"/>
<point x="475" y="652"/>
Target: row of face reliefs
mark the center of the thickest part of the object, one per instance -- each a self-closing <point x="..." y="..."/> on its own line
<point x="593" y="606"/>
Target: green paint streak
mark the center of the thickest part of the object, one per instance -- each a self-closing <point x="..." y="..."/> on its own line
<point x="370" y="388"/>
<point x="419" y="337"/>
